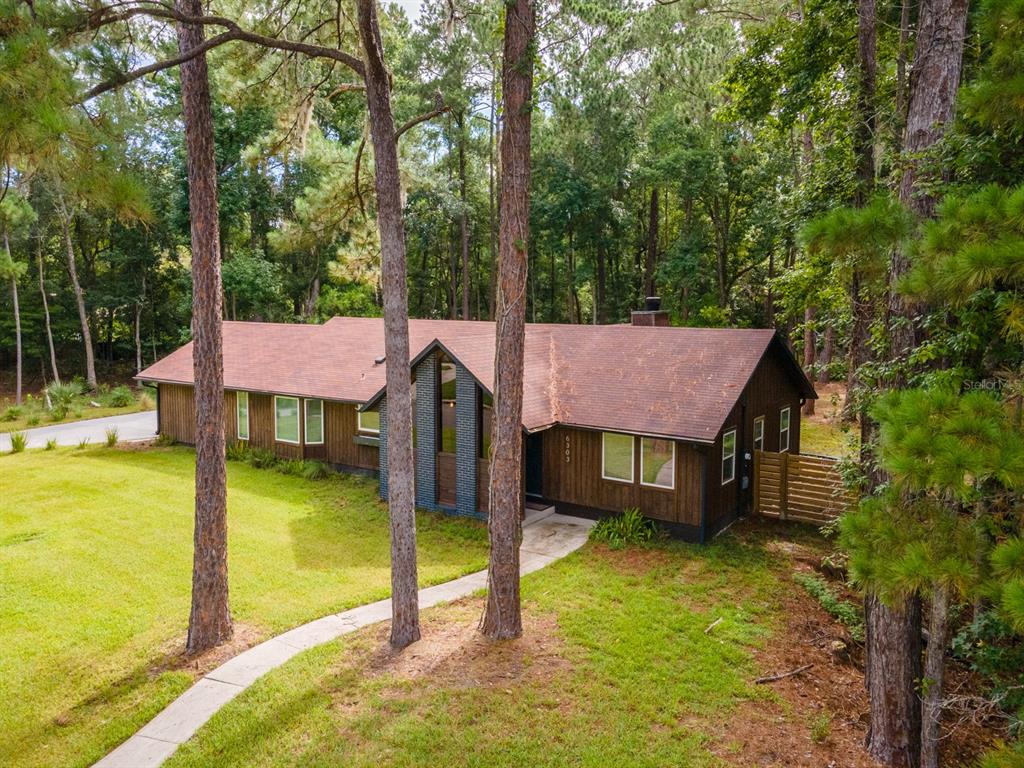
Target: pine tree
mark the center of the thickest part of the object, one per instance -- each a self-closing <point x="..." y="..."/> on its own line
<point x="947" y="456"/>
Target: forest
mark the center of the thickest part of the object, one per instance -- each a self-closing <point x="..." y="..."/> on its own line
<point x="848" y="173"/>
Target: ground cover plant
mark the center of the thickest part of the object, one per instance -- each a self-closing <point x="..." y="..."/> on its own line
<point x="71" y="402"/>
<point x="95" y="563"/>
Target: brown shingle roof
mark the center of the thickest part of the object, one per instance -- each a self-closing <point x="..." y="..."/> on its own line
<point x="678" y="382"/>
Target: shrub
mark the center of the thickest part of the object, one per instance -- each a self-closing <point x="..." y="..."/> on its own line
<point x="62" y="397"/>
<point x="261" y="458"/>
<point x="623" y="530"/>
<point x="821" y="728"/>
<point x="33" y="420"/>
<point x="991" y="649"/>
<point x="146" y="402"/>
<point x="121" y="397"/>
<point x="237" y="451"/>
<point x="12" y="413"/>
<point x="315" y="470"/>
<point x="17" y="442"/>
<point x="111" y="437"/>
<point x="294" y="467"/>
<point x="843" y="611"/>
<point x="164" y="440"/>
<point x="51" y="444"/>
<point x="83" y="442"/>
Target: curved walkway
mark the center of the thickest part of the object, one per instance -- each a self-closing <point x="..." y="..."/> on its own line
<point x="130" y="427"/>
<point x="546" y="538"/>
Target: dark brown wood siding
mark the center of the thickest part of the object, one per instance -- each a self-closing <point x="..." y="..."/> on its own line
<point x="340" y="446"/>
<point x="177" y="413"/>
<point x="572" y="475"/>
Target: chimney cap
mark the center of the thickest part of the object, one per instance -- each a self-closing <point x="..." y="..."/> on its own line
<point x="652" y="303"/>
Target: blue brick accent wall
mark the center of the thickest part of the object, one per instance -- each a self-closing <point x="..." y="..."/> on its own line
<point x="466" y="448"/>
<point x="383" y="460"/>
<point x="427" y="403"/>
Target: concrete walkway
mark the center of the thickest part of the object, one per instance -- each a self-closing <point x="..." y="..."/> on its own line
<point x="546" y="538"/>
<point x="129" y="426"/>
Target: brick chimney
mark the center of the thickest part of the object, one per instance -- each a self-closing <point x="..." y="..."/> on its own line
<point x="652" y="314"/>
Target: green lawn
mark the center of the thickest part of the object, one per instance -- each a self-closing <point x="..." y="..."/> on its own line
<point x="95" y="570"/>
<point x="617" y="667"/>
<point x="828" y="439"/>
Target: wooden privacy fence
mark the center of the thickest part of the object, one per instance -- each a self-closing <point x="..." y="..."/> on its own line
<point x="808" y="489"/>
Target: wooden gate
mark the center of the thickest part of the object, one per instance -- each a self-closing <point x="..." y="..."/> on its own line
<point x="808" y="489"/>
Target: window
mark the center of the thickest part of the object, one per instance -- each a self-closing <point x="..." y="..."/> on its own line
<point x="314" y="422"/>
<point x="729" y="456"/>
<point x="617" y="457"/>
<point x="242" y="414"/>
<point x="657" y="462"/>
<point x="369" y="421"/>
<point x="784" y="429"/>
<point x="759" y="433"/>
<point x="286" y="419"/>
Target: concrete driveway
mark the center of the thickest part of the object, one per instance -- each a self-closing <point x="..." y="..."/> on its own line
<point x="130" y="426"/>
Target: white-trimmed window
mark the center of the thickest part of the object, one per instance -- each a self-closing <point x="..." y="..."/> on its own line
<point x="369" y="422"/>
<point x="784" y="429"/>
<point x="617" y="457"/>
<point x="286" y="419"/>
<point x="314" y="422"/>
<point x="242" y="414"/>
<point x="759" y="433"/>
<point x="657" y="462"/>
<point x="729" y="456"/>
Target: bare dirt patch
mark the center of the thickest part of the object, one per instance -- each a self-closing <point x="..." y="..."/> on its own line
<point x="452" y="653"/>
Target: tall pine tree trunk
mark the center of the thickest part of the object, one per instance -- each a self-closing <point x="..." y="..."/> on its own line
<point x="464" y="219"/>
<point x="810" y="353"/>
<point x="827" y="349"/>
<point x="894" y="661"/>
<point x="651" y="260"/>
<point x="83" y="316"/>
<point x="17" y="319"/>
<point x="46" y="313"/>
<point x="210" y="619"/>
<point x="934" y="676"/>
<point x="502" y="618"/>
<point x="405" y="621"/>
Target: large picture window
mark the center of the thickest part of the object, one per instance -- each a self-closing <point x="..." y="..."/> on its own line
<point x="242" y="413"/>
<point x="657" y="462"/>
<point x="729" y="456"/>
<point x="286" y="419"/>
<point x="617" y="457"/>
<point x="784" y="429"/>
<point x="314" y="422"/>
<point x="369" y="422"/>
<point x="759" y="433"/>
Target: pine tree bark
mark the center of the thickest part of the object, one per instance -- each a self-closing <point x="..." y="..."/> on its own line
<point x="210" y="619"/>
<point x="46" y="313"/>
<point x="934" y="675"/>
<point x="892" y="669"/>
<point x="405" y="623"/>
<point x="810" y="353"/>
<point x="83" y="315"/>
<point x="502" y="617"/>
<point x="651" y="260"/>
<point x="464" y="219"/>
<point x="827" y="350"/>
<point x="17" y="320"/>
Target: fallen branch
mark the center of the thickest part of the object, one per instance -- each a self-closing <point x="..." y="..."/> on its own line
<point x="773" y="678"/>
<point x="713" y="624"/>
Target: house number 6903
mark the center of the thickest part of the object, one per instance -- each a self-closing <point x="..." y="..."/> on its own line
<point x="567" y="451"/>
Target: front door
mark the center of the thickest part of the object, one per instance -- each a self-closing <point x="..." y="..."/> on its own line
<point x="535" y="464"/>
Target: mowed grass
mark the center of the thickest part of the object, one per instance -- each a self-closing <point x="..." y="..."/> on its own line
<point x="828" y="439"/>
<point x="95" y="577"/>
<point x="617" y="667"/>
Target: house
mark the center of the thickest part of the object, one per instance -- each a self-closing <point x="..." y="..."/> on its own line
<point x="614" y="416"/>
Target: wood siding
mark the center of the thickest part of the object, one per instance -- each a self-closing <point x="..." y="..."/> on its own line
<point x="340" y="447"/>
<point x="572" y="475"/>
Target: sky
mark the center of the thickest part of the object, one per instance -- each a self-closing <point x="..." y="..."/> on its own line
<point x="411" y="8"/>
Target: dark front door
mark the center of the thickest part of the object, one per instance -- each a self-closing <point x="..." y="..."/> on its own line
<point x="535" y="464"/>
